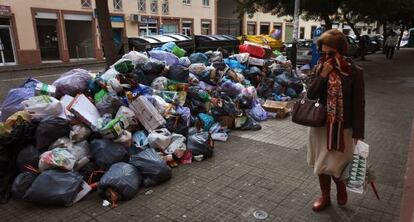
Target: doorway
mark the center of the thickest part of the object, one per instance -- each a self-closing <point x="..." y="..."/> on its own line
<point x="48" y="39"/>
<point x="7" y="52"/>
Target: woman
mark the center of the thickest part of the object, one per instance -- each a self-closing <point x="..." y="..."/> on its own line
<point x="338" y="83"/>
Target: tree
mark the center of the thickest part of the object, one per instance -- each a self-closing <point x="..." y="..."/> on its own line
<point x="105" y="29"/>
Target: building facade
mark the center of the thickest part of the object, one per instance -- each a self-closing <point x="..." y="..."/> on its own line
<point x="230" y="22"/>
<point x="38" y="31"/>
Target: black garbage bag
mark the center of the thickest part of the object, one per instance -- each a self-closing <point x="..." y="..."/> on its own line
<point x="200" y="143"/>
<point x="122" y="178"/>
<point x="265" y="88"/>
<point x="21" y="136"/>
<point x="219" y="66"/>
<point x="251" y="124"/>
<point x="278" y="89"/>
<point x="109" y="104"/>
<point x="140" y="77"/>
<point x="153" y="169"/>
<point x="22" y="183"/>
<point x="152" y="67"/>
<point x="49" y="130"/>
<point x="225" y="107"/>
<point x="29" y="156"/>
<point x="55" y="187"/>
<point x="176" y="124"/>
<point x="178" y="73"/>
<point x="105" y="152"/>
<point x="252" y="75"/>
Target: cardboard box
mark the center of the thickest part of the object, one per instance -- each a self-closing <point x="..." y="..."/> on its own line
<point x="84" y="109"/>
<point x="226" y="121"/>
<point x="113" y="129"/>
<point x="147" y="114"/>
<point x="280" y="108"/>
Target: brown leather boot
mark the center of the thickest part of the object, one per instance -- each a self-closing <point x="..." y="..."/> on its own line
<point x="325" y="199"/>
<point x="341" y="195"/>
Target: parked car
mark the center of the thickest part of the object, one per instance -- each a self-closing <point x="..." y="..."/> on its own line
<point x="379" y="39"/>
<point x="370" y="44"/>
<point x="304" y="51"/>
<point x="353" y="48"/>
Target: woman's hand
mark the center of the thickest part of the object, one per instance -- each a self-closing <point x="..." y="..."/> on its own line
<point x="326" y="68"/>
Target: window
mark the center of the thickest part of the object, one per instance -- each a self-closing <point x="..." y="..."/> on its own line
<point x="164" y="7"/>
<point x="264" y="28"/>
<point x="251" y="28"/>
<point x="187" y="27"/>
<point x="86" y="4"/>
<point x="154" y="6"/>
<point x="205" y="27"/>
<point x="302" y="33"/>
<point x="148" y="26"/>
<point x="206" y="2"/>
<point x="142" y="6"/>
<point x="118" y="4"/>
<point x="187" y="2"/>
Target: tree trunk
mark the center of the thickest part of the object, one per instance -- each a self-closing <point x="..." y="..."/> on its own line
<point x="105" y="29"/>
<point x="401" y="35"/>
<point x="385" y="36"/>
<point x="328" y="22"/>
<point x="358" y="35"/>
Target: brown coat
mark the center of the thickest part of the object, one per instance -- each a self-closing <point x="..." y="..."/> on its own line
<point x="354" y="98"/>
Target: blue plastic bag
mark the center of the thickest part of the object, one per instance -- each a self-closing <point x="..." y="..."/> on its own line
<point x="235" y="65"/>
<point x="12" y="103"/>
<point x="198" y="57"/>
<point x="168" y="47"/>
<point x="207" y="120"/>
<point x="257" y="112"/>
<point x="167" y="57"/>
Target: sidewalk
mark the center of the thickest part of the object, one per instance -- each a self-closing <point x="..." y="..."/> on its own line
<point x="267" y="170"/>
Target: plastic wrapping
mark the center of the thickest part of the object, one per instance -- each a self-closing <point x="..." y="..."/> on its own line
<point x="43" y="106"/>
<point x="178" y="73"/>
<point x="200" y="143"/>
<point x="159" y="139"/>
<point x="29" y="156"/>
<point x="197" y="68"/>
<point x="198" y="57"/>
<point x="167" y="57"/>
<point x="79" y="133"/>
<point x="109" y="104"/>
<point x="57" y="158"/>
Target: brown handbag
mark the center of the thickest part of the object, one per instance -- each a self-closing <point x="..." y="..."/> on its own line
<point x="308" y="112"/>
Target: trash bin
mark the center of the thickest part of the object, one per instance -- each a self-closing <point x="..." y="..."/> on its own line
<point x="142" y="43"/>
<point x="205" y="43"/>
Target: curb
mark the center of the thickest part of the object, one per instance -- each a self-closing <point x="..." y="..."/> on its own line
<point x="407" y="200"/>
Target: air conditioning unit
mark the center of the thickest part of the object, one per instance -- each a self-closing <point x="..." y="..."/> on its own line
<point x="135" y="18"/>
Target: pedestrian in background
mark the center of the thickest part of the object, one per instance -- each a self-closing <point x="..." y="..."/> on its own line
<point x="338" y="83"/>
<point x="390" y="44"/>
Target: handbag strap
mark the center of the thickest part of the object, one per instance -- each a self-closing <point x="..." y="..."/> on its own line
<point x="305" y="97"/>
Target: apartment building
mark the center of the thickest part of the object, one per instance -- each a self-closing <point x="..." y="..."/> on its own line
<point x="38" y="31"/>
<point x="230" y="22"/>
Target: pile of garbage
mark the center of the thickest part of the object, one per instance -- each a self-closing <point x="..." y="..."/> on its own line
<point x="125" y="128"/>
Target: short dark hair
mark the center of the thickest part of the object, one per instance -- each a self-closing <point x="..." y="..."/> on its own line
<point x="335" y="39"/>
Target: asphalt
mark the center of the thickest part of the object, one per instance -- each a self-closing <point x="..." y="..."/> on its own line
<point x="267" y="170"/>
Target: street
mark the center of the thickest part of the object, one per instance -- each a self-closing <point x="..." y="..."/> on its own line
<point x="266" y="170"/>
